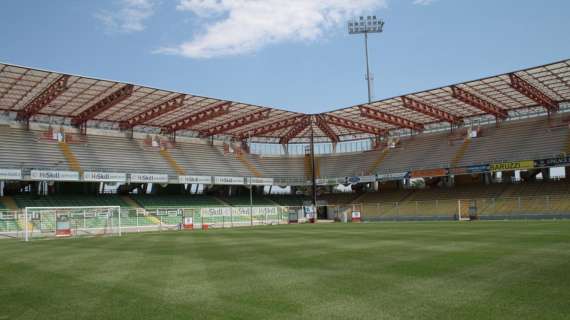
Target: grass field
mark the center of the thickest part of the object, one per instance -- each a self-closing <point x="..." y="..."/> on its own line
<point x="445" y="270"/>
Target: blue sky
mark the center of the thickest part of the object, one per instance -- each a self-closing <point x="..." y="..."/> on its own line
<point x="291" y="54"/>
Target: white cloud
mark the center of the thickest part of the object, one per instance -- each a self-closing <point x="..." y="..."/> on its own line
<point x="129" y="17"/>
<point x="235" y="27"/>
<point x="423" y="2"/>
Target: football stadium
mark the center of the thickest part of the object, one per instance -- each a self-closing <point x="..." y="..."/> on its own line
<point x="177" y="176"/>
<point x="125" y="201"/>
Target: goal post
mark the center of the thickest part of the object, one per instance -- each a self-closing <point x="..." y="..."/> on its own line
<point x="65" y="222"/>
<point x="466" y="209"/>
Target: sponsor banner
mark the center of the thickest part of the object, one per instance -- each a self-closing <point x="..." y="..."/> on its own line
<point x="227" y="212"/>
<point x="326" y="182"/>
<point x="104" y="176"/>
<point x="265" y="210"/>
<point x="458" y="171"/>
<point x="553" y="162"/>
<point x="216" y="212"/>
<point x="50" y="175"/>
<point x="149" y="178"/>
<point x="259" y="181"/>
<point x="10" y="174"/>
<point x="367" y="179"/>
<point x="355" y="180"/>
<point x="510" y="166"/>
<point x="188" y="223"/>
<point x="392" y="176"/>
<point x="478" y="169"/>
<point x="355" y="216"/>
<point x="429" y="173"/>
<point x="352" y="180"/>
<point x="469" y="170"/>
<point x="195" y="179"/>
<point x="229" y="180"/>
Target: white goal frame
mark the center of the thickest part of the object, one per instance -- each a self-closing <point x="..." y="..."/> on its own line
<point x="459" y="211"/>
<point x="30" y="210"/>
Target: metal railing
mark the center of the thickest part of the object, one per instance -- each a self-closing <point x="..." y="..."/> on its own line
<point x="82" y="222"/>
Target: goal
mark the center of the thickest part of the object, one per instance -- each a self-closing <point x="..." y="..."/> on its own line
<point x="65" y="222"/>
<point x="467" y="210"/>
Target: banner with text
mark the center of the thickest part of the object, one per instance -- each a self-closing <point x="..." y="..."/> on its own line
<point x="10" y="174"/>
<point x="326" y="182"/>
<point x="429" y="173"/>
<point x="469" y="170"/>
<point x="51" y="175"/>
<point x="195" y="179"/>
<point x="561" y="161"/>
<point x="104" y="176"/>
<point x="149" y="178"/>
<point x="367" y="179"/>
<point x="392" y="176"/>
<point x="510" y="166"/>
<point x="229" y="180"/>
<point x="259" y="181"/>
<point x="239" y="215"/>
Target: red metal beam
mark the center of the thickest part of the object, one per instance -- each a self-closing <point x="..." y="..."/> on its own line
<point x="431" y="111"/>
<point x="54" y="90"/>
<point x="533" y="93"/>
<point x="481" y="104"/>
<point x="153" y="112"/>
<point x="103" y="105"/>
<point x="296" y="130"/>
<point x="390" y="119"/>
<point x="235" y="123"/>
<point x="271" y="127"/>
<point x="218" y="109"/>
<point x="322" y="124"/>
<point x="358" y="126"/>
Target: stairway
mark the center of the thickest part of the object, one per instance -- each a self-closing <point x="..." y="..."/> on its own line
<point x="222" y="202"/>
<point x="172" y="162"/>
<point x="460" y="153"/>
<point x="309" y="168"/>
<point x="243" y="159"/>
<point x="378" y="161"/>
<point x="132" y="203"/>
<point x="70" y="157"/>
<point x="9" y="203"/>
<point x="567" y="145"/>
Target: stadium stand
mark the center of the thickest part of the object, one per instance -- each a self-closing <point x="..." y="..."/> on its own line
<point x="175" y="201"/>
<point x="21" y="148"/>
<point x="339" y="198"/>
<point x="289" y="200"/>
<point x="518" y="140"/>
<point x="493" y="199"/>
<point x="203" y="145"/>
<point x="243" y="200"/>
<point x="60" y="200"/>
<point x="201" y="159"/>
<point x="119" y="154"/>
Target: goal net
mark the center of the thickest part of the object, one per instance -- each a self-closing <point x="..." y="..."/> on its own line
<point x="65" y="222"/>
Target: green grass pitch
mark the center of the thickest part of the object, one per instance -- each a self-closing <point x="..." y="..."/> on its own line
<point x="431" y="270"/>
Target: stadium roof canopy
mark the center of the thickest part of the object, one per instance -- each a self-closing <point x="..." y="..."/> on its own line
<point x="38" y="95"/>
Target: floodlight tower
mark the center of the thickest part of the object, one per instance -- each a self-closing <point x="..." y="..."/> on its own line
<point x="366" y="25"/>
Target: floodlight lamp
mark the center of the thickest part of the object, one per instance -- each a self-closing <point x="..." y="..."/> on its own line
<point x="368" y="24"/>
